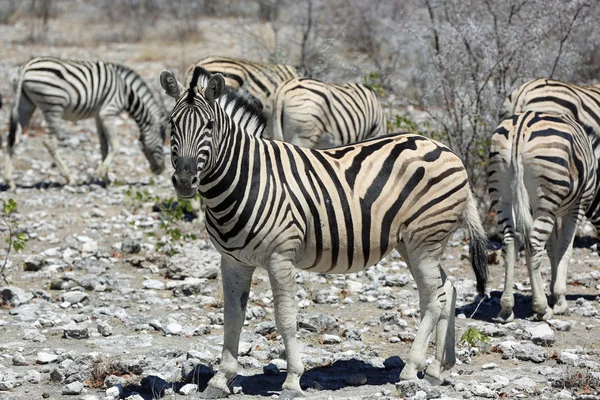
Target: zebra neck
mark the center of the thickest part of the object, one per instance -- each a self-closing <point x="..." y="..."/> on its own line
<point x="139" y="102"/>
<point x="232" y="173"/>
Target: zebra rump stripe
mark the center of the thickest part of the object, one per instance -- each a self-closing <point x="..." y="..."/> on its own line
<point x="259" y="79"/>
<point x="277" y="206"/>
<point x="581" y="103"/>
<point x="311" y="113"/>
<point x="75" y="90"/>
<point x="542" y="179"/>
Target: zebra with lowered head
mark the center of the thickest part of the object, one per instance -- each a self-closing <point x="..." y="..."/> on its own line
<point x="76" y="90"/>
<point x="311" y="113"/>
<point x="542" y="180"/>
<point x="259" y="80"/>
<point x="277" y="206"/>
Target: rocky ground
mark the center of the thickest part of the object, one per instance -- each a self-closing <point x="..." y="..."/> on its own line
<point x="94" y="309"/>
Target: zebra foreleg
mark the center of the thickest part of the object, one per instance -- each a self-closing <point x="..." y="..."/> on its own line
<point x="236" y="288"/>
<point x="282" y="276"/>
<point x="109" y="144"/>
<point x="560" y="248"/>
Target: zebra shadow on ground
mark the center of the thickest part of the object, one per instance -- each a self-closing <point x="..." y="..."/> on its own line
<point x="338" y="375"/>
<point x="54" y="185"/>
<point x="490" y="307"/>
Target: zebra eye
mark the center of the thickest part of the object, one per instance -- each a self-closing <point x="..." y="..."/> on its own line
<point x="209" y="125"/>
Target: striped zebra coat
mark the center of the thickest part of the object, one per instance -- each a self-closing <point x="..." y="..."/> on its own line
<point x="277" y="206"/>
<point x="311" y="113"/>
<point x="581" y="103"/>
<point x="542" y="179"/>
<point x="76" y="90"/>
<point x="260" y="80"/>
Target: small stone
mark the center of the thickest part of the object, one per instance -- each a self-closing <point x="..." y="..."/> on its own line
<point x="331" y="339"/>
<point x="45" y="358"/>
<point x="14" y="296"/>
<point x="74" y="331"/>
<point x="541" y="334"/>
<point x="524" y="383"/>
<point x="90" y="247"/>
<point x="356" y="379"/>
<point x="393" y="362"/>
<point x="130" y="247"/>
<point x="75" y="297"/>
<point x="568" y="358"/>
<point x="560" y="325"/>
<point x="104" y="328"/>
<point x="482" y="391"/>
<point x="173" y="328"/>
<point x="19" y="360"/>
<point x="33" y="376"/>
<point x="489" y="366"/>
<point x="271" y="370"/>
<point x="153" y="284"/>
<point x="73" y="388"/>
<point x="114" y="391"/>
<point x="188" y="389"/>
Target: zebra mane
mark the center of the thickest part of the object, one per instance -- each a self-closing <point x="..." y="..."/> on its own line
<point x="198" y="72"/>
<point x="232" y="101"/>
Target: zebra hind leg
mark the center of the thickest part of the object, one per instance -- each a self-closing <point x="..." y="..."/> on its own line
<point x="433" y="296"/>
<point x="18" y="122"/>
<point x="560" y="250"/>
<point x="543" y="227"/>
<point x="109" y="144"/>
<point x="50" y="141"/>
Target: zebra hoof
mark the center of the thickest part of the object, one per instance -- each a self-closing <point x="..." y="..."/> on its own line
<point x="505" y="317"/>
<point x="290" y="394"/>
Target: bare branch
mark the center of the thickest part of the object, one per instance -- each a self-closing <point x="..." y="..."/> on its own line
<point x="566" y="36"/>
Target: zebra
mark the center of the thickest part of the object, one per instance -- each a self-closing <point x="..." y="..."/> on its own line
<point x="311" y="113"/>
<point x="277" y="206"/>
<point x="258" y="79"/>
<point x="76" y="90"/>
<point x="542" y="180"/>
<point x="546" y="95"/>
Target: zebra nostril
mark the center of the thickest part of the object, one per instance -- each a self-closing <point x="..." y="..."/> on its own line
<point x="174" y="180"/>
<point x="195" y="181"/>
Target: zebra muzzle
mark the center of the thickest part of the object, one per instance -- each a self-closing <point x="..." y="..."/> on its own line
<point x="185" y="179"/>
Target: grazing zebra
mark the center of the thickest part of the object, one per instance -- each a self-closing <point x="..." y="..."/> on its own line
<point x="546" y="95"/>
<point x="277" y="206"/>
<point x="311" y="113"/>
<point x="541" y="179"/>
<point x="259" y="79"/>
<point x="76" y="90"/>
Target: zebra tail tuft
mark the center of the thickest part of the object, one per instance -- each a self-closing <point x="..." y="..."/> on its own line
<point x="478" y="244"/>
<point x="523" y="217"/>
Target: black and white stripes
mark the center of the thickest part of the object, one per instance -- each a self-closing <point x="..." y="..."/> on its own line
<point x="274" y="205"/>
<point x="542" y="179"/>
<point x="75" y="90"/>
<point x="259" y="79"/>
<point x="311" y="113"/>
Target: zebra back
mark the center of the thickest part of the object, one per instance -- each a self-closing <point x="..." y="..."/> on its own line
<point x="311" y="113"/>
<point x="259" y="79"/>
<point x="547" y="95"/>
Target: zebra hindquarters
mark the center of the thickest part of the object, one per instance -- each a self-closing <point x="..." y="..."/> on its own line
<point x="551" y="166"/>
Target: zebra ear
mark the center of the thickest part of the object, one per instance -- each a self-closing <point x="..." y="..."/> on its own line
<point x="171" y="85"/>
<point x="215" y="87"/>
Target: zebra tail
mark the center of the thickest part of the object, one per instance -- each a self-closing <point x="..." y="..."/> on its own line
<point x="523" y="217"/>
<point x="15" y="128"/>
<point x="478" y="245"/>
